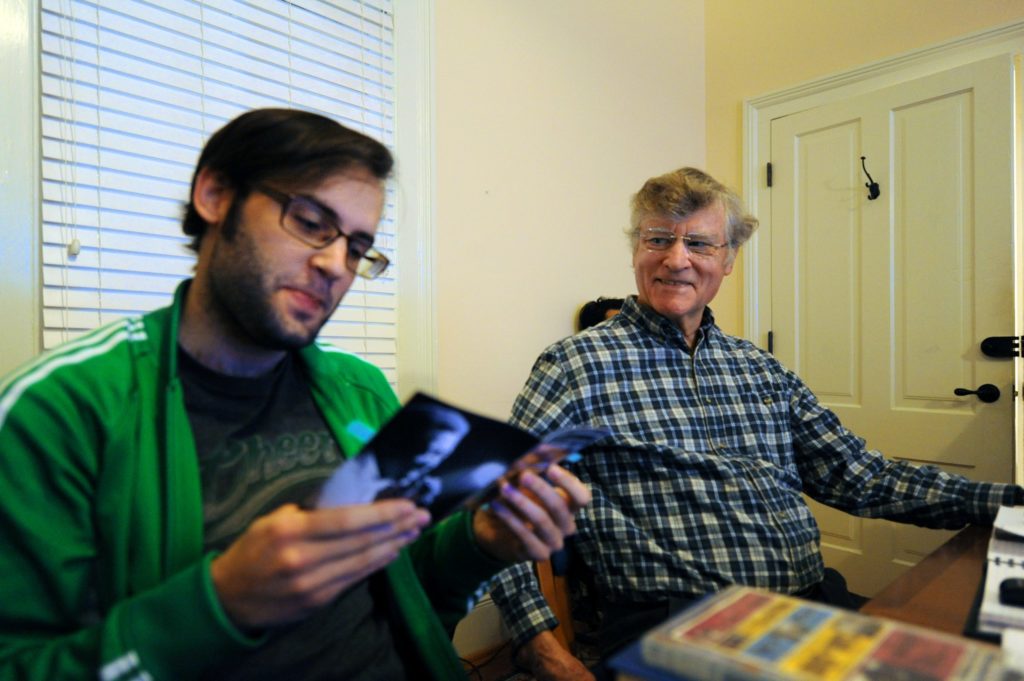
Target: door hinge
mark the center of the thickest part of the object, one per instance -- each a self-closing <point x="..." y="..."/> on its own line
<point x="768" y="173"/>
<point x="771" y="342"/>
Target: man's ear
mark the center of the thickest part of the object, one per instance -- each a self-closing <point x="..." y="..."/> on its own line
<point x="211" y="197"/>
<point x="730" y="260"/>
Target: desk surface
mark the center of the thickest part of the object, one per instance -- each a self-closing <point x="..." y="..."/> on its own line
<point x="938" y="592"/>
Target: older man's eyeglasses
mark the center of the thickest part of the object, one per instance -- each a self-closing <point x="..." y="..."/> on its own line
<point x="695" y="244"/>
<point x="316" y="225"/>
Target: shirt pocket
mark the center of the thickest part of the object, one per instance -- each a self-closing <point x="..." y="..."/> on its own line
<point x="755" y="425"/>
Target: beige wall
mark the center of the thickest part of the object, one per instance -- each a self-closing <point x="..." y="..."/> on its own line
<point x="756" y="47"/>
<point x="548" y="116"/>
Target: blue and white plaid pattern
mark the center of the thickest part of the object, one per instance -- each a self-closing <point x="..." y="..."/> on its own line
<point x="700" y="485"/>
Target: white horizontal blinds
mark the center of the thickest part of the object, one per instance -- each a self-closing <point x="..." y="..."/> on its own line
<point x="367" y="322"/>
<point x="111" y="179"/>
<point x="130" y="92"/>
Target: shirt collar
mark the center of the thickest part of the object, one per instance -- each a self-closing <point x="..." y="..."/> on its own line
<point x="653" y="323"/>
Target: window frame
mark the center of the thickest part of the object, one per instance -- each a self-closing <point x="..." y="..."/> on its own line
<point x="19" y="183"/>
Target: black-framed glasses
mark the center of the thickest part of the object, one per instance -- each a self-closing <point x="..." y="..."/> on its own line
<point x="695" y="244"/>
<point x="316" y="225"/>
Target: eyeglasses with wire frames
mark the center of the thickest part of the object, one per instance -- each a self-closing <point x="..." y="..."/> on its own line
<point x="317" y="226"/>
<point x="695" y="244"/>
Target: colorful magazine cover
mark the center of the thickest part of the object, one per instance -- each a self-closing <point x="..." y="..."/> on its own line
<point x="745" y="633"/>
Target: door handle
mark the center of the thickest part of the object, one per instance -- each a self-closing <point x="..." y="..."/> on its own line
<point x="986" y="392"/>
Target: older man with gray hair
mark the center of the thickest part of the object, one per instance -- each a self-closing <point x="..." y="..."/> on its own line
<point x="715" y="443"/>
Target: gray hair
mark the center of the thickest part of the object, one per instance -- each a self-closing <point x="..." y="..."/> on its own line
<point x="681" y="193"/>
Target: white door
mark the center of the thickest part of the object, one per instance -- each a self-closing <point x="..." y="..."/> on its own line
<point x="880" y="305"/>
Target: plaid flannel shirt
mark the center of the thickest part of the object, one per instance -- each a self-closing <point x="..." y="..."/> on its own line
<point x="701" y="484"/>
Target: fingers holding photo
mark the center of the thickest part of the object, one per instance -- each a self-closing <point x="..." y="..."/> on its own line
<point x="532" y="516"/>
<point x="292" y="561"/>
<point x="577" y="494"/>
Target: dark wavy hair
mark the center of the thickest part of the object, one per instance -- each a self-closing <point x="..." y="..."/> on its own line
<point x="286" y="148"/>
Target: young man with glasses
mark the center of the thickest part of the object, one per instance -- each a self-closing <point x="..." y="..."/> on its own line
<point x="701" y="485"/>
<point x="158" y="476"/>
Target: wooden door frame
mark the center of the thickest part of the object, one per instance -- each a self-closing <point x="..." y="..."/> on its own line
<point x="759" y="112"/>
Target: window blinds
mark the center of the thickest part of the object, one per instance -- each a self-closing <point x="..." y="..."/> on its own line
<point x="130" y="92"/>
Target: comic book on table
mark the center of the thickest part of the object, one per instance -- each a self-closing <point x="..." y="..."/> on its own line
<point x="744" y="633"/>
<point x="444" y="457"/>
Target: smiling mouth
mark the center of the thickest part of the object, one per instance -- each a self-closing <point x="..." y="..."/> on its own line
<point x="673" y="282"/>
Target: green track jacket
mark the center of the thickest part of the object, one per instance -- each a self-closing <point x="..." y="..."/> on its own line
<point x="102" y="571"/>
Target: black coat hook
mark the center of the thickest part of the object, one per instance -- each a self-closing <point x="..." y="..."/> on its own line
<point x="873" y="190"/>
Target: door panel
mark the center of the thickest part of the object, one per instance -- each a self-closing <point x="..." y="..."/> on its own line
<point x="829" y="348"/>
<point x="880" y="305"/>
<point x="933" y="232"/>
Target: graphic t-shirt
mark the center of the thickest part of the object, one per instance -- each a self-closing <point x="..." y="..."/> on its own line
<point x="262" y="443"/>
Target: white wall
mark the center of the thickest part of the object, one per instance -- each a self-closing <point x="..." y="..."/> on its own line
<point x="548" y="116"/>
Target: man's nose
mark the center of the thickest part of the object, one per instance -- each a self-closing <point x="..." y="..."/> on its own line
<point x="332" y="258"/>
<point x="677" y="256"/>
